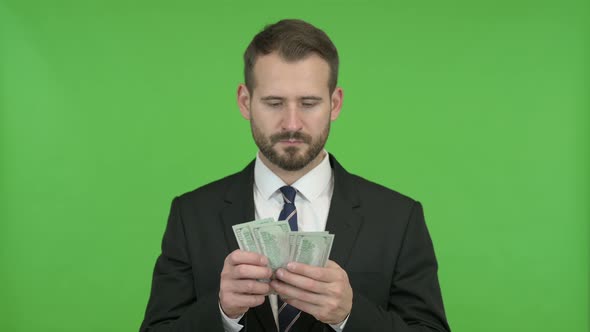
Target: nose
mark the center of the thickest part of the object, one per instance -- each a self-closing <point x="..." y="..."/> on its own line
<point x="291" y="119"/>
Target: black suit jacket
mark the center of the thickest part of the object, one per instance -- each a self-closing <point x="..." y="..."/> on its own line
<point x="380" y="240"/>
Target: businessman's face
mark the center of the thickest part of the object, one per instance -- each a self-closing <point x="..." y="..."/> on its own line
<point x="290" y="109"/>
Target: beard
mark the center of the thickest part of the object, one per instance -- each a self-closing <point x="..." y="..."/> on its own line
<point x="291" y="159"/>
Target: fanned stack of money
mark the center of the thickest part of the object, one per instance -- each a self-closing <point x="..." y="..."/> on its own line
<point x="275" y="240"/>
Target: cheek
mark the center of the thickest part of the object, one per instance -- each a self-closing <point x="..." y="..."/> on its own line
<point x="318" y="121"/>
<point x="266" y="122"/>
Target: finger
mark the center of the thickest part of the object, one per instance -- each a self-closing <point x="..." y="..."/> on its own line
<point x="300" y="281"/>
<point x="246" y="271"/>
<point x="314" y="272"/>
<point x="332" y="265"/>
<point x="246" y="257"/>
<point x="291" y="292"/>
<point x="247" y="287"/>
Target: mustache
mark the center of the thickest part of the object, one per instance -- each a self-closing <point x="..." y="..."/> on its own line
<point x="296" y="135"/>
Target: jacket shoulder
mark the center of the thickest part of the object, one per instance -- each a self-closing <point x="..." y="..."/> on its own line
<point x="358" y="188"/>
<point x="371" y="190"/>
<point x="218" y="189"/>
<point x="215" y="188"/>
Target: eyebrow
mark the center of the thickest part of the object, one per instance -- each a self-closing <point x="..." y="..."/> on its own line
<point x="271" y="98"/>
<point x="283" y="98"/>
<point x="311" y="98"/>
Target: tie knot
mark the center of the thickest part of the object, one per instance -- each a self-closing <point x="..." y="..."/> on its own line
<point x="289" y="194"/>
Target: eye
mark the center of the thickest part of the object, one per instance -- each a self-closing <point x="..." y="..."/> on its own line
<point x="274" y="104"/>
<point x="308" y="104"/>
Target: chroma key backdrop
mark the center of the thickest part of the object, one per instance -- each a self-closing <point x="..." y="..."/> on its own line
<point x="478" y="109"/>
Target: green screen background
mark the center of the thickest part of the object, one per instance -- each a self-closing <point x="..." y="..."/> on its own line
<point x="109" y="109"/>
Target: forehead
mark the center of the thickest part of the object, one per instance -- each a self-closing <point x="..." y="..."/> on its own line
<point x="274" y="75"/>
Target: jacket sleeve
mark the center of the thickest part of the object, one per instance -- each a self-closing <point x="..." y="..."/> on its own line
<point x="173" y="305"/>
<point x="415" y="301"/>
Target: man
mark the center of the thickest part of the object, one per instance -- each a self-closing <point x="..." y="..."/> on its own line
<point x="382" y="272"/>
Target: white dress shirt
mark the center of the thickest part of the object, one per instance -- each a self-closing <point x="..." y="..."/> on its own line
<point x="314" y="194"/>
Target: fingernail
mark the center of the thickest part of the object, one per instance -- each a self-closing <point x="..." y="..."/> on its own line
<point x="280" y="273"/>
<point x="291" y="266"/>
<point x="263" y="261"/>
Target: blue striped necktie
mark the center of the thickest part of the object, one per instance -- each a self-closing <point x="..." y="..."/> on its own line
<point x="288" y="314"/>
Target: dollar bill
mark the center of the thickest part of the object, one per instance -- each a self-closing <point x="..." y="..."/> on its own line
<point x="280" y="245"/>
<point x="294" y="240"/>
<point x="273" y="241"/>
<point x="244" y="236"/>
<point x="313" y="249"/>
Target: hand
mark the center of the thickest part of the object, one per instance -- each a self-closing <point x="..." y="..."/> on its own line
<point x="239" y="290"/>
<point x="323" y="292"/>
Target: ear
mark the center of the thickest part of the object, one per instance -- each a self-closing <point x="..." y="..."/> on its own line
<point x="336" y="106"/>
<point x="244" y="101"/>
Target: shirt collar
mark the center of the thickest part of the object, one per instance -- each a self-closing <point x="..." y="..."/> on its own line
<point x="310" y="185"/>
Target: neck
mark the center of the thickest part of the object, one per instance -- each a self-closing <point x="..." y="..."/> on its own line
<point x="290" y="177"/>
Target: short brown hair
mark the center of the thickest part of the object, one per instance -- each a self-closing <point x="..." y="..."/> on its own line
<point x="294" y="40"/>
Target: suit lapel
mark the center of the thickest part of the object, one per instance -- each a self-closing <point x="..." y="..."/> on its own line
<point x="239" y="201"/>
<point x="344" y="220"/>
<point x="239" y="208"/>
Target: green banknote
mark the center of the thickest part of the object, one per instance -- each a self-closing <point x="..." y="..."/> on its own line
<point x="313" y="249"/>
<point x="243" y="234"/>
<point x="294" y="238"/>
<point x="273" y="241"/>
